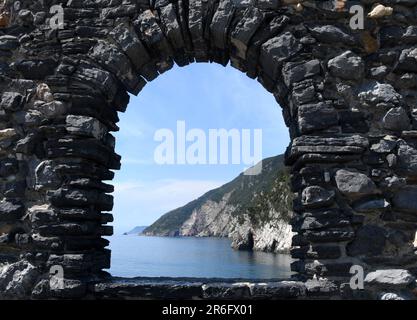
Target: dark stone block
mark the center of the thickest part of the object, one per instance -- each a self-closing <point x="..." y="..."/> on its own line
<point x="77" y="243"/>
<point x="94" y="78"/>
<point x="276" y="50"/>
<point x="391" y="34"/>
<point x="226" y="291"/>
<point x="64" y="197"/>
<point x="406" y="199"/>
<point x="90" y="149"/>
<point x="279" y="290"/>
<point x="313" y="223"/>
<point x="353" y="122"/>
<point x="74" y="263"/>
<point x="10" y="210"/>
<point x="369" y="240"/>
<point x="149" y="30"/>
<point x="79" y="214"/>
<point x="330" y="235"/>
<point x="85" y="183"/>
<point x="407" y="159"/>
<point x="36" y="69"/>
<point x="72" y="289"/>
<point x="324" y="252"/>
<point x="304" y="92"/>
<point x="316" y="196"/>
<point x="220" y="24"/>
<point x="407" y="61"/>
<point x="332" y="34"/>
<point x="88" y="169"/>
<point x="269" y="30"/>
<point x="131" y="45"/>
<point x="114" y="60"/>
<point x="120" y="11"/>
<point x="297" y="71"/>
<point x="312" y="175"/>
<point x="245" y="29"/>
<point x="14" y="189"/>
<point x="396" y="119"/>
<point x="8" y="43"/>
<point x="298" y="266"/>
<point x="8" y="167"/>
<point x="119" y="288"/>
<point x="329" y="269"/>
<point x="171" y="27"/>
<point x="321" y="288"/>
<point x="316" y="117"/>
<point x="69" y="229"/>
<point x="348" y="66"/>
<point x="11" y="101"/>
<point x="299" y="253"/>
<point x="299" y="240"/>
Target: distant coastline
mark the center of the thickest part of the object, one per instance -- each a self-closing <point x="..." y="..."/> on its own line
<point x="136" y="230"/>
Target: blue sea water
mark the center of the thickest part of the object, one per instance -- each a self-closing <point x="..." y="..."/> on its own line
<point x="140" y="256"/>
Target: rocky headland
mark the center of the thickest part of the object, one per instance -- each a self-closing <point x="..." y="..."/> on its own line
<point x="253" y="210"/>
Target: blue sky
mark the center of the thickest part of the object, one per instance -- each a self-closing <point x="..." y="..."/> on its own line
<point x="205" y="96"/>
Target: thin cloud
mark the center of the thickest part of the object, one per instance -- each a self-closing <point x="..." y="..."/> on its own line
<point x="133" y="126"/>
<point x="144" y="202"/>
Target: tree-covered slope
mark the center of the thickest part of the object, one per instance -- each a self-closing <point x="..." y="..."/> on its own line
<point x="247" y="205"/>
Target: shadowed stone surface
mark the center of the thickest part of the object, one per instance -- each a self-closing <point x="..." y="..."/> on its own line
<point x="213" y="289"/>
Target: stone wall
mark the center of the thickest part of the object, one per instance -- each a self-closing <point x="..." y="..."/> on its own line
<point x="348" y="97"/>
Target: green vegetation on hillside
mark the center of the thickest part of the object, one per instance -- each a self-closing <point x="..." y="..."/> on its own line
<point x="251" y="195"/>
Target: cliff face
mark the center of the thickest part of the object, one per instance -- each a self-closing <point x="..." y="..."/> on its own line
<point x="219" y="219"/>
<point x="254" y="211"/>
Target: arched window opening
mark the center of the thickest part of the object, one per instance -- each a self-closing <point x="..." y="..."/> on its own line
<point x="186" y="208"/>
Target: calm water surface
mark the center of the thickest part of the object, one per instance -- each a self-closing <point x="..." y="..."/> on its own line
<point x="134" y="256"/>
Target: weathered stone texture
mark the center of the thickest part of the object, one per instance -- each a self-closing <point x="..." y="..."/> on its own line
<point x="348" y="98"/>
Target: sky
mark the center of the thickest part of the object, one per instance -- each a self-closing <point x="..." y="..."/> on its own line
<point x="201" y="96"/>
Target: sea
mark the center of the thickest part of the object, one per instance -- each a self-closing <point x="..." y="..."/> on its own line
<point x="142" y="256"/>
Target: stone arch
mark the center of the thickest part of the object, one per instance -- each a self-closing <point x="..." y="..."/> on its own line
<point x="347" y="98"/>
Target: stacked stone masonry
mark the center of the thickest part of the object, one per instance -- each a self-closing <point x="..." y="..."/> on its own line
<point x="348" y="97"/>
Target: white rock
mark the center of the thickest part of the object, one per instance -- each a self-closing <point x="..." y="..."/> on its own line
<point x="43" y="92"/>
<point x="390" y="277"/>
<point x="380" y="11"/>
<point x="391" y="296"/>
